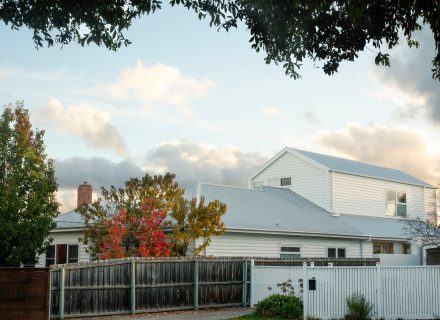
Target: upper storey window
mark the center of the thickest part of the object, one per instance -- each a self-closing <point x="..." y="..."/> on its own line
<point x="396" y="204"/>
<point x="286" y="182"/>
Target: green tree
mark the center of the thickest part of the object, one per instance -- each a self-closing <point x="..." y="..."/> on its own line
<point x="289" y="31"/>
<point x="193" y="220"/>
<point x="158" y="193"/>
<point x="27" y="189"/>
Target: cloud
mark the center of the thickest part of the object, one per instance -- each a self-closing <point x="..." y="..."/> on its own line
<point x="2" y="74"/>
<point x="157" y="85"/>
<point x="408" y="82"/>
<point x="96" y="171"/>
<point x="194" y="162"/>
<point x="70" y="173"/>
<point x="272" y="111"/>
<point x="401" y="148"/>
<point x="85" y="121"/>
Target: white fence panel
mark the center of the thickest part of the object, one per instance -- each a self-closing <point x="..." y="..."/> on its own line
<point x="396" y="292"/>
<point x="410" y="292"/>
<point x="265" y="280"/>
<point x="333" y="285"/>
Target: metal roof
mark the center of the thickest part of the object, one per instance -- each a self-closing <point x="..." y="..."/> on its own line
<point x="362" y="169"/>
<point x="69" y="219"/>
<point x="274" y="209"/>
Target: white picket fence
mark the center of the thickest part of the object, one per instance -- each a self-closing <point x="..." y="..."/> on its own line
<point x="407" y="292"/>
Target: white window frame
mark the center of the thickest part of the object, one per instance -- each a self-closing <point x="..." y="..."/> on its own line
<point x="337" y="253"/>
<point x="396" y="203"/>
<point x="257" y="184"/>
<point x="287" y="185"/>
<point x="289" y="254"/>
<point x="68" y="245"/>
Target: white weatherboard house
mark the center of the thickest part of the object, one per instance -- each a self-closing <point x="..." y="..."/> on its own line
<point x="302" y="204"/>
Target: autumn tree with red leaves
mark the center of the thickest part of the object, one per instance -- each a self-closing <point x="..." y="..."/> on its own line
<point x="131" y="221"/>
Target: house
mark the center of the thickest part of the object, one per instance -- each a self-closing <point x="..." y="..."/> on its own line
<point x="66" y="246"/>
<point x="301" y="204"/>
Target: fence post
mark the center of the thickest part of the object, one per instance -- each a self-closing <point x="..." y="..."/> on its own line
<point x="252" y="293"/>
<point x="196" y="284"/>
<point x="133" y="286"/>
<point x="244" y="292"/>
<point x="61" y="293"/>
<point x="305" y="291"/>
<point x="379" y="290"/>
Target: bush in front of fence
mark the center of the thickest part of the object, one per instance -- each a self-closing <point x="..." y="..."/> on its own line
<point x="280" y="305"/>
<point x="358" y="308"/>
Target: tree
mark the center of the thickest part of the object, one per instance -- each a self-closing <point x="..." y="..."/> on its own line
<point x="193" y="220"/>
<point x="131" y="221"/>
<point x="424" y="233"/>
<point x="27" y="189"/>
<point x="325" y="31"/>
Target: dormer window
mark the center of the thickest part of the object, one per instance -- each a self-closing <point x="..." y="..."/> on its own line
<point x="396" y="204"/>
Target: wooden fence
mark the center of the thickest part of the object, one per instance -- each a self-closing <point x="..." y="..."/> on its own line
<point x="148" y="285"/>
<point x="24" y="293"/>
<point x="406" y="292"/>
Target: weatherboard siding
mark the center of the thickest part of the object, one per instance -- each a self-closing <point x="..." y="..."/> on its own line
<point x="367" y="196"/>
<point x="260" y="245"/>
<point x="66" y="238"/>
<point x="430" y="204"/>
<point x="308" y="180"/>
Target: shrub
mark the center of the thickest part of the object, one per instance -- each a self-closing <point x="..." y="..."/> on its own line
<point x="278" y="305"/>
<point x="358" y="308"/>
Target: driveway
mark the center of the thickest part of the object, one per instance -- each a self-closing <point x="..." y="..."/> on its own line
<point x="210" y="314"/>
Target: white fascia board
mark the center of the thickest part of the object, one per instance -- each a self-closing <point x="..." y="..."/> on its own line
<point x="292" y="233"/>
<point x="303" y="157"/>
<point x="71" y="229"/>
<point x="279" y="155"/>
<point x="267" y="164"/>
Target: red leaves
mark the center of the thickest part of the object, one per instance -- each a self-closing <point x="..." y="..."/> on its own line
<point x="131" y="234"/>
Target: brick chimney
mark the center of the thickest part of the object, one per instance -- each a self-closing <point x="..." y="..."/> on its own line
<point x="84" y="194"/>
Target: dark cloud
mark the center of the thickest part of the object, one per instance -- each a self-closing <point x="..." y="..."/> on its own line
<point x="194" y="162"/>
<point x="96" y="171"/>
<point x="410" y="75"/>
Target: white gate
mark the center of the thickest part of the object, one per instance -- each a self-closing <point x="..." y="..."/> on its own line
<point x="395" y="292"/>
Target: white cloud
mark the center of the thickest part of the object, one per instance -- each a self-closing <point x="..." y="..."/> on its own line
<point x="401" y="148"/>
<point x="158" y="85"/>
<point x="272" y="111"/>
<point x="85" y="121"/>
<point x="194" y="162"/>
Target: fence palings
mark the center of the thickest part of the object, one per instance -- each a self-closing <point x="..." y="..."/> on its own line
<point x="148" y="285"/>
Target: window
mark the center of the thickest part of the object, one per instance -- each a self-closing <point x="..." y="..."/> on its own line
<point x="336" y="252"/>
<point x="383" y="248"/>
<point x="286" y="181"/>
<point x="290" y="252"/>
<point x="61" y="253"/>
<point x="50" y="256"/>
<point x="396" y="204"/>
<point x="258" y="184"/>
<point x="406" y="248"/>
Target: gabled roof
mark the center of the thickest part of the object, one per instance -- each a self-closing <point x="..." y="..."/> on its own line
<point x="277" y="210"/>
<point x="69" y="219"/>
<point x="362" y="169"/>
<point x="283" y="211"/>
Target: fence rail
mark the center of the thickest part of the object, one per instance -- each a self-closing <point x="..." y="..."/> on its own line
<point x="147" y="285"/>
<point x="407" y="292"/>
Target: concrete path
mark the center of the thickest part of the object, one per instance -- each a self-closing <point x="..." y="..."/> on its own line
<point x="211" y="314"/>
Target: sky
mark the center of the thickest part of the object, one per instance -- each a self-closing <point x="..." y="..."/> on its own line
<point x="188" y="99"/>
